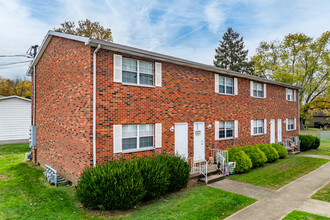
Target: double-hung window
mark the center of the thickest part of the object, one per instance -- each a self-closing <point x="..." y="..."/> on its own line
<point x="257" y="90"/>
<point x="290" y="124"/>
<point x="258" y="127"/>
<point x="289" y="94"/>
<point x="226" y="85"/>
<point x="137" y="136"/>
<point x="226" y="129"/>
<point x="137" y="72"/>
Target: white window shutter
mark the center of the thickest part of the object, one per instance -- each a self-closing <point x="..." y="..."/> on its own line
<point x="252" y="122"/>
<point x="265" y="126"/>
<point x="158" y="135"/>
<point x="236" y="128"/>
<point x="295" y="123"/>
<point x="235" y="87"/>
<point x="216" y="130"/>
<point x="117" y="138"/>
<point x="287" y="124"/>
<point x="251" y="88"/>
<point x="117" y="68"/>
<point x="294" y="95"/>
<point x="265" y="93"/>
<point x="216" y="83"/>
<point x="286" y="94"/>
<point x="158" y="74"/>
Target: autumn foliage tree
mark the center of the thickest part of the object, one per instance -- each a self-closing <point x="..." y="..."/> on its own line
<point x="86" y="28"/>
<point x="19" y="87"/>
<point x="299" y="60"/>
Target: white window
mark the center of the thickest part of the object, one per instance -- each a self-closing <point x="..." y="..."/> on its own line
<point x="137" y="72"/>
<point x="226" y="85"/>
<point x="258" y="90"/>
<point x="291" y="124"/>
<point x="289" y="95"/>
<point x="226" y="129"/>
<point x="258" y="127"/>
<point x="137" y="136"/>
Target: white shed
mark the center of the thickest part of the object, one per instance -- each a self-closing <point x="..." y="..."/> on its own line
<point x="15" y="119"/>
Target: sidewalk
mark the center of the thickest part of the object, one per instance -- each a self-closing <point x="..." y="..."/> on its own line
<point x="277" y="204"/>
<point x="314" y="155"/>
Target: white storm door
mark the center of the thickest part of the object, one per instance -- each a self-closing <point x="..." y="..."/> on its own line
<point x="272" y="131"/>
<point x="279" y="130"/>
<point x="199" y="141"/>
<point x="181" y="139"/>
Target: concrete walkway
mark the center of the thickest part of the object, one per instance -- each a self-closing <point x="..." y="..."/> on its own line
<point x="276" y="204"/>
<point x="314" y="155"/>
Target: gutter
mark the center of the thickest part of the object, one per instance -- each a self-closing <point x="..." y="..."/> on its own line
<point x="94" y="103"/>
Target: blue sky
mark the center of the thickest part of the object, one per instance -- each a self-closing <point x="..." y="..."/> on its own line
<point x="182" y="28"/>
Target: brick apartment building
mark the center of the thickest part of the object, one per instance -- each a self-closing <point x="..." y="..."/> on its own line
<point x="146" y="103"/>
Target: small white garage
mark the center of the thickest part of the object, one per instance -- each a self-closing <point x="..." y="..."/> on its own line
<point x="15" y="119"/>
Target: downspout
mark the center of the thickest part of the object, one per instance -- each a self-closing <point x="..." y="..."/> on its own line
<point x="298" y="112"/>
<point x="34" y="96"/>
<point x="94" y="104"/>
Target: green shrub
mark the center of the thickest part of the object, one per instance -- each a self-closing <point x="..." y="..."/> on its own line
<point x="258" y="158"/>
<point x="269" y="151"/>
<point x="281" y="150"/>
<point x="306" y="142"/>
<point x="316" y="143"/>
<point x="156" y="175"/>
<point x="115" y="185"/>
<point x="179" y="172"/>
<point x="243" y="162"/>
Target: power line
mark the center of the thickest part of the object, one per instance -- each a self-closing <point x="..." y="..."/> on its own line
<point x="11" y="67"/>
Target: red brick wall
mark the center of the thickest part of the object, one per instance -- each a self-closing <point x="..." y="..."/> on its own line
<point x="187" y="95"/>
<point x="63" y="107"/>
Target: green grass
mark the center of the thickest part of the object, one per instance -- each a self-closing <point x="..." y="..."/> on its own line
<point x="324" y="148"/>
<point x="195" y="203"/>
<point x="298" y="215"/>
<point x="323" y="194"/>
<point x="280" y="173"/>
<point x="25" y="194"/>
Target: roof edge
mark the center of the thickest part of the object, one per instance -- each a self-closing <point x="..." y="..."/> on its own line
<point x="15" y="96"/>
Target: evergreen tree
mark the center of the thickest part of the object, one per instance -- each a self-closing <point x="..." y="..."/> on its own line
<point x="231" y="54"/>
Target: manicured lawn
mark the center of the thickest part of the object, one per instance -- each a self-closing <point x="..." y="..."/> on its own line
<point x="283" y="171"/>
<point x="323" y="194"/>
<point x="324" y="148"/>
<point x="298" y="215"/>
<point x="194" y="203"/>
<point x="25" y="194"/>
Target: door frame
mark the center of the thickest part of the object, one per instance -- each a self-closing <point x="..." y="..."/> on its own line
<point x="195" y="146"/>
<point x="279" y="130"/>
<point x="187" y="139"/>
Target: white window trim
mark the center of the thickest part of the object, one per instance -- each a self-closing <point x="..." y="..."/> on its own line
<point x="138" y="141"/>
<point x="263" y="127"/>
<point x="263" y="90"/>
<point x="234" y="86"/>
<point x="292" y="95"/>
<point x="287" y="124"/>
<point x="138" y="74"/>
<point x="226" y="138"/>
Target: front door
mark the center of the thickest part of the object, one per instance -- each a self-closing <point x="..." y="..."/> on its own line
<point x="272" y="131"/>
<point x="279" y="130"/>
<point x="199" y="139"/>
<point x="181" y="139"/>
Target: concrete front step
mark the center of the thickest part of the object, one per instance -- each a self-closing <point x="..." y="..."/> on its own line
<point x="211" y="170"/>
<point x="294" y="153"/>
<point x="213" y="178"/>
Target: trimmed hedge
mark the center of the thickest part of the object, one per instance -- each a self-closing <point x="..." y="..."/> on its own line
<point x="269" y="151"/>
<point x="281" y="150"/>
<point x="316" y="143"/>
<point x="243" y="162"/>
<point x="258" y="158"/>
<point x="116" y="185"/>
<point x="122" y="184"/>
<point x="308" y="142"/>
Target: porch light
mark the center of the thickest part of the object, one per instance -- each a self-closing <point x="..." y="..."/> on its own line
<point x="209" y="126"/>
<point x="172" y="129"/>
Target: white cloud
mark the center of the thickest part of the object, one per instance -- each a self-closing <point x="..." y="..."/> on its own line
<point x="214" y="16"/>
